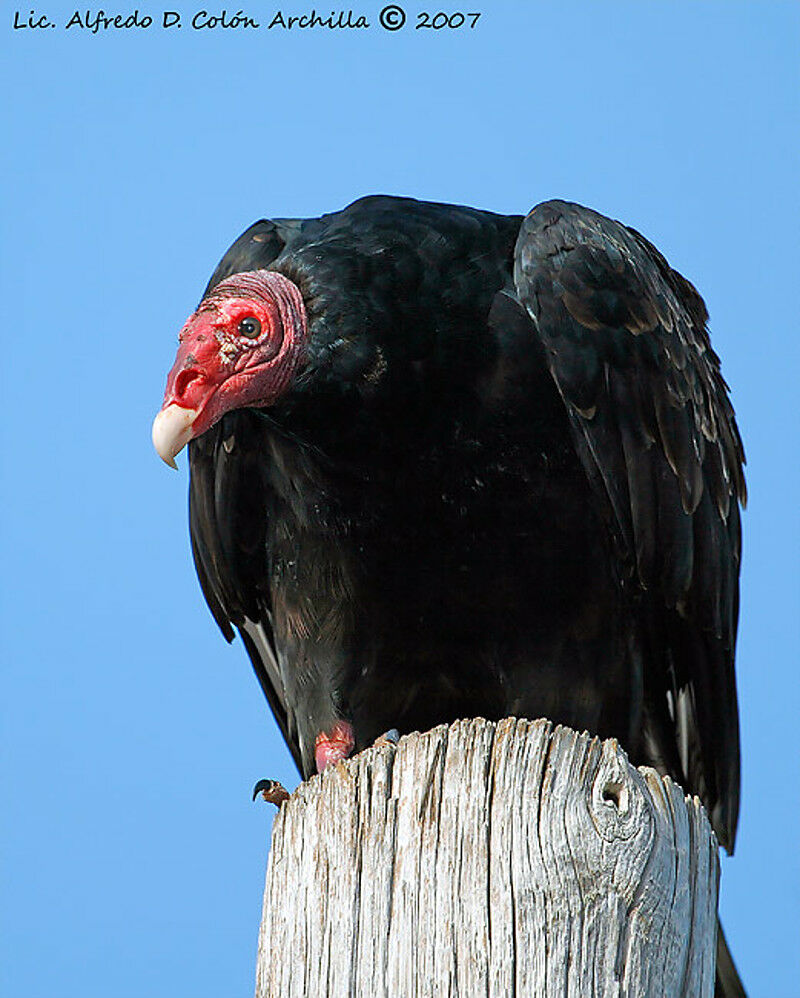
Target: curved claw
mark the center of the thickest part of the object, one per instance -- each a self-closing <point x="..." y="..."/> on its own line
<point x="272" y="792"/>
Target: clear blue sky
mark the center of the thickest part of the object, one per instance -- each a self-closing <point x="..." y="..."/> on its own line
<point x="133" y="858"/>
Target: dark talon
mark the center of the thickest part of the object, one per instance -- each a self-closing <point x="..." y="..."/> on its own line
<point x="272" y="792"/>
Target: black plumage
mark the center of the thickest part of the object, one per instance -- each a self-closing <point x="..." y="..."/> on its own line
<point x="506" y="481"/>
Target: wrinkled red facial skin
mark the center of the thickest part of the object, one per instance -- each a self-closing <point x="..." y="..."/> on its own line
<point x="217" y="369"/>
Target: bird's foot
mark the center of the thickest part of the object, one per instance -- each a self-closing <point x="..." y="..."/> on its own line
<point x="272" y="792"/>
<point x="390" y="737"/>
<point x="334" y="745"/>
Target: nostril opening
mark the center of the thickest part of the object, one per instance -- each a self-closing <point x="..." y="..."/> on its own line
<point x="184" y="379"/>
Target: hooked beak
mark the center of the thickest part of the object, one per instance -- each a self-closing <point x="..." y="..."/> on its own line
<point x="172" y="431"/>
<point x="195" y="376"/>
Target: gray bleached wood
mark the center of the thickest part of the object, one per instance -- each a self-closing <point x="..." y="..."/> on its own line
<point x="490" y="859"/>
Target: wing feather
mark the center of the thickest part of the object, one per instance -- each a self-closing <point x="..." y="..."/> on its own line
<point x="626" y="342"/>
<point x="227" y="511"/>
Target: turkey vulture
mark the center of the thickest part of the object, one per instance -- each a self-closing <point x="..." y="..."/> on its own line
<point x="448" y="463"/>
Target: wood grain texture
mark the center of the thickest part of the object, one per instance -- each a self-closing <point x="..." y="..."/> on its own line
<point x="490" y="859"/>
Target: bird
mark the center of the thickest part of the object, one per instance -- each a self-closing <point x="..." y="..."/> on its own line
<point x="450" y="463"/>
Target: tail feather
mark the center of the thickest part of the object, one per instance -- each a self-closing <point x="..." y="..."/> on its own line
<point x="728" y="984"/>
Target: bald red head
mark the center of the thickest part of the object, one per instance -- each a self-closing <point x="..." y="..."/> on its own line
<point x="242" y="347"/>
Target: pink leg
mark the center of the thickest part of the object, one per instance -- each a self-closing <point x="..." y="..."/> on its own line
<point x="334" y="745"/>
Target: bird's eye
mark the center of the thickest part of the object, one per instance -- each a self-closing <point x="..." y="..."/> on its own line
<point x="250" y="327"/>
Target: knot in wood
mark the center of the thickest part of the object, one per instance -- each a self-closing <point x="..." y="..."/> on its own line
<point x="620" y="805"/>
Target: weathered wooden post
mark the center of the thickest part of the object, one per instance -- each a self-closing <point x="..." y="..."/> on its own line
<point x="490" y="859"/>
